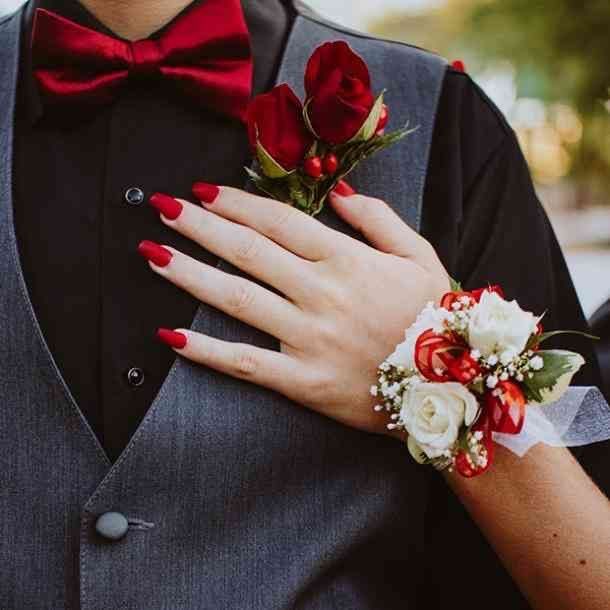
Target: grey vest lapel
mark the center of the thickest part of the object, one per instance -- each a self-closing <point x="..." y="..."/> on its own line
<point x="50" y="462"/>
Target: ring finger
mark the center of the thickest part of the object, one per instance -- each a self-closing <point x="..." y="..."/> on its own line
<point x="236" y="296"/>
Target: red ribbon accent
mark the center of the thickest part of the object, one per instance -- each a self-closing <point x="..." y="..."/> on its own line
<point x="205" y="54"/>
<point x="444" y="357"/>
<point x="505" y="408"/>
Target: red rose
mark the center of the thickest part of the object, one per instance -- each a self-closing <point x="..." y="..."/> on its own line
<point x="478" y="293"/>
<point x="275" y="122"/>
<point x="338" y="89"/>
<point x="474" y="296"/>
<point x="444" y="357"/>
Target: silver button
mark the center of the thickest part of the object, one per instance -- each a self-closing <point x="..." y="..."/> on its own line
<point x="134" y="195"/>
<point x="112" y="525"/>
<point x="135" y="376"/>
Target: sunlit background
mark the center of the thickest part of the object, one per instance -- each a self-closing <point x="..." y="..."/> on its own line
<point x="546" y="65"/>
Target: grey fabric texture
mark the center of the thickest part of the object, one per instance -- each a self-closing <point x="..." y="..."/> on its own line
<point x="236" y="498"/>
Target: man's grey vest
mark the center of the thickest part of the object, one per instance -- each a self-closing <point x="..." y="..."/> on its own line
<point x="236" y="498"/>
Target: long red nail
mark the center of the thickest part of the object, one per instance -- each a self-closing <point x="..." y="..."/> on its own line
<point x="168" y="206"/>
<point x="155" y="253"/>
<point x="206" y="192"/>
<point x="171" y="337"/>
<point x="344" y="189"/>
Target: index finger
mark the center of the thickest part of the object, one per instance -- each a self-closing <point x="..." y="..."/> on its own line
<point x="290" y="228"/>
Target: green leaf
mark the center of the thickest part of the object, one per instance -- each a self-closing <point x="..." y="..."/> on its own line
<point x="545" y="336"/>
<point x="557" y="365"/>
<point x="367" y="131"/>
<point x="271" y="168"/>
<point x="455" y="285"/>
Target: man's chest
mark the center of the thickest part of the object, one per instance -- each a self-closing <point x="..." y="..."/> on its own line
<point x="82" y="191"/>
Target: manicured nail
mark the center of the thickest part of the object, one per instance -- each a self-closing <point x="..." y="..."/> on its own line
<point x="344" y="189"/>
<point x="155" y="253"/>
<point x="171" y="337"/>
<point x="168" y="206"/>
<point x="206" y="192"/>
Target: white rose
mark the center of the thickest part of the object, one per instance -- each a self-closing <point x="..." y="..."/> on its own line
<point x="433" y="414"/>
<point x="499" y="326"/>
<point x="430" y="317"/>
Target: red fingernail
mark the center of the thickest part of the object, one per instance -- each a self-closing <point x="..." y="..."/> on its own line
<point x="168" y="206"/>
<point x="171" y="337"/>
<point x="155" y="253"/>
<point x="344" y="189"/>
<point x="206" y="192"/>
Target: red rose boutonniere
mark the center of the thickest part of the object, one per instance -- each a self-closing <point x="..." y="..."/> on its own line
<point x="304" y="150"/>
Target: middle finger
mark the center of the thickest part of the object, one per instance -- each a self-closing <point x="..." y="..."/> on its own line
<point x="243" y="247"/>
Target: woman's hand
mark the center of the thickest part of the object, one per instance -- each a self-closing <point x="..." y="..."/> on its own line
<point x="343" y="307"/>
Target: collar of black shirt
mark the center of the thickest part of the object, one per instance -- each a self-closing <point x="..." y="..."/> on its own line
<point x="262" y="17"/>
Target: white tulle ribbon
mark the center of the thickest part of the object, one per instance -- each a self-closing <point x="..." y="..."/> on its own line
<point x="580" y="417"/>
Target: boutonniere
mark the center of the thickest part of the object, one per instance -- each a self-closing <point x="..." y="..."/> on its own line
<point x="303" y="150"/>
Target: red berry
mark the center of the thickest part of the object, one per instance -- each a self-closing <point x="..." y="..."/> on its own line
<point x="313" y="167"/>
<point x="330" y="163"/>
<point x="384" y="116"/>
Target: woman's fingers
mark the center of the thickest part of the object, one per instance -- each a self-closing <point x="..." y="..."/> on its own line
<point x="281" y="223"/>
<point x="240" y="245"/>
<point x="274" y="370"/>
<point x="380" y="225"/>
<point x="236" y="296"/>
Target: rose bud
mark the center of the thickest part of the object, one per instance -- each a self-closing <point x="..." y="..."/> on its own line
<point x="340" y="105"/>
<point x="277" y="132"/>
<point x="478" y="293"/>
<point x="384" y="117"/>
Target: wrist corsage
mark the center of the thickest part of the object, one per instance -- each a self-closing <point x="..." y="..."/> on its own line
<point x="304" y="150"/>
<point x="471" y="373"/>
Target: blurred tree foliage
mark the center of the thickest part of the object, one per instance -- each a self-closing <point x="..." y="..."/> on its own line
<point x="560" y="49"/>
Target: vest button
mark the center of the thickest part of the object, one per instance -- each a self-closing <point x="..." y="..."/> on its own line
<point x="134" y="196"/>
<point x="111" y="525"/>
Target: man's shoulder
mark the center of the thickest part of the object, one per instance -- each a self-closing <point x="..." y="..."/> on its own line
<point x="308" y="13"/>
<point x="10" y="33"/>
<point x="10" y="24"/>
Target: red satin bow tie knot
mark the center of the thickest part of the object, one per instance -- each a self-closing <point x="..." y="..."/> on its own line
<point x="145" y="58"/>
<point x="205" y="54"/>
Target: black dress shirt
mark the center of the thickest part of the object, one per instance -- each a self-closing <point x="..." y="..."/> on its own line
<point x="81" y="189"/>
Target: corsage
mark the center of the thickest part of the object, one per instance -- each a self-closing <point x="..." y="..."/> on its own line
<point x="471" y="373"/>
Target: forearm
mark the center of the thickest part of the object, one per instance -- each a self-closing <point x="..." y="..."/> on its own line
<point x="547" y="522"/>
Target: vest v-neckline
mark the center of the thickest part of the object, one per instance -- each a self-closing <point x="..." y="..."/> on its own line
<point x="7" y="100"/>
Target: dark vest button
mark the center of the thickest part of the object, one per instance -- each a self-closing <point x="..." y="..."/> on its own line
<point x="134" y="196"/>
<point x="111" y="525"/>
<point x="135" y="376"/>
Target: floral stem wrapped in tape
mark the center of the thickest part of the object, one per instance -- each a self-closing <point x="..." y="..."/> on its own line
<point x="471" y="373"/>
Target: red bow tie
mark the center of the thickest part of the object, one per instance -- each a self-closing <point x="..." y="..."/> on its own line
<point x="205" y="54"/>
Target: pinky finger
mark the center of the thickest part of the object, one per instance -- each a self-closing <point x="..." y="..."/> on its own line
<point x="271" y="369"/>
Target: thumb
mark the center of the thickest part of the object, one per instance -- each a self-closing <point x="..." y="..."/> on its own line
<point x="376" y="220"/>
